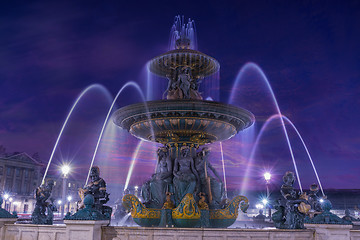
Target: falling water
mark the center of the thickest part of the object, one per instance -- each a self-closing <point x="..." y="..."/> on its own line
<point x="264" y="127"/>
<point x="93" y="86"/>
<point x="181" y="30"/>
<point x="128" y="84"/>
<point x="257" y="69"/>
<point x="223" y="167"/>
<point x="132" y="164"/>
<point x="124" y="219"/>
<point x="307" y="152"/>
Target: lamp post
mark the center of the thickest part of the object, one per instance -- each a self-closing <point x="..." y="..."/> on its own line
<point x="10" y="200"/>
<point x="267" y="177"/>
<point x="6" y="196"/>
<point x="69" y="198"/>
<point x="65" y="169"/>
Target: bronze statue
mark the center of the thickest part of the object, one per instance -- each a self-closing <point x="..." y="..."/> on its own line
<point x="42" y="194"/>
<point x="97" y="188"/>
<point x="212" y="187"/>
<point x="292" y="208"/>
<point x="154" y="190"/>
<point x="186" y="179"/>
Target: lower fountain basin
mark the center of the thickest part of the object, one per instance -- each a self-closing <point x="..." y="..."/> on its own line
<point x="183" y="121"/>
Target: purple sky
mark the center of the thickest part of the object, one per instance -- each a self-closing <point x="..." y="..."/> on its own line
<point x="309" y="50"/>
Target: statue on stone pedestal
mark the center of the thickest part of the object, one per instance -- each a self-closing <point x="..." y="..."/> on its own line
<point x="292" y="208"/>
<point x="314" y="199"/>
<point x="212" y="187"/>
<point x="186" y="179"/>
<point x="154" y="190"/>
<point x="183" y="85"/>
<point x="97" y="188"/>
<point x="39" y="215"/>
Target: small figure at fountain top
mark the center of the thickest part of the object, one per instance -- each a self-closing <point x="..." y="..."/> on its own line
<point x="42" y="194"/>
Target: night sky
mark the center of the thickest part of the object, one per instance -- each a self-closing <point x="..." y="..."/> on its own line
<point x="309" y="51"/>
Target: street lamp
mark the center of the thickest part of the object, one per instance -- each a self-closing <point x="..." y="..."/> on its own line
<point x="69" y="198"/>
<point x="267" y="177"/>
<point x="65" y="170"/>
<point x="10" y="200"/>
<point x="6" y="196"/>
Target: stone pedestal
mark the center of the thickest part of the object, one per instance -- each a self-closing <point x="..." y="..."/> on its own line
<point x="330" y="231"/>
<point x="84" y="229"/>
<point x="4" y="221"/>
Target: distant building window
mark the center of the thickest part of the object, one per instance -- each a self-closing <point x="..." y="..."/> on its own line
<point x="1" y="170"/>
<point x="69" y="185"/>
<point x="17" y="172"/>
<point x="8" y="171"/>
<point x="18" y="186"/>
<point x="26" y="173"/>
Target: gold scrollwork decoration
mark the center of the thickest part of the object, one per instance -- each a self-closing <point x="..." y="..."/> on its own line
<point x="187" y="209"/>
<point x="137" y="209"/>
<point x="231" y="211"/>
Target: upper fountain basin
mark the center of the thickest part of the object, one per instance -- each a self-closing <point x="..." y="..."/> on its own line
<point x="183" y="121"/>
<point x="200" y="64"/>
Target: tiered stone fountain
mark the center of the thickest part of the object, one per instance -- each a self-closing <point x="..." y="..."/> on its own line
<point x="181" y="192"/>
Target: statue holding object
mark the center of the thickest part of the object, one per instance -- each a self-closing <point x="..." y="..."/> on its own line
<point x="43" y="212"/>
<point x="96" y="188"/>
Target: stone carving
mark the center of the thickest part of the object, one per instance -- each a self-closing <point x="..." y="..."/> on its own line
<point x="4" y="213"/>
<point x="212" y="187"/>
<point x="186" y="178"/>
<point x="183" y="85"/>
<point x="292" y="208"/>
<point x="154" y="190"/>
<point x="43" y="212"/>
<point x="97" y="188"/>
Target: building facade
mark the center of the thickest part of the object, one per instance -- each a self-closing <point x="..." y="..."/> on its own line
<point x="20" y="175"/>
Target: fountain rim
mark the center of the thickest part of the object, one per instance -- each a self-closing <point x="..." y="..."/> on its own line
<point x="182" y="51"/>
<point x="236" y="118"/>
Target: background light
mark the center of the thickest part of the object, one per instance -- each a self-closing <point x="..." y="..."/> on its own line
<point x="267" y="176"/>
<point x="69" y="198"/>
<point x="264" y="201"/>
<point x="259" y="206"/>
<point x="65" y="169"/>
<point x="59" y="202"/>
<point x="6" y="196"/>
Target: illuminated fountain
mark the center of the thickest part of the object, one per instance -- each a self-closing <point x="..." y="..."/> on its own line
<point x="181" y="192"/>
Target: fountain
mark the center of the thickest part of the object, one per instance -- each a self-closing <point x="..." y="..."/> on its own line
<point x="182" y="123"/>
